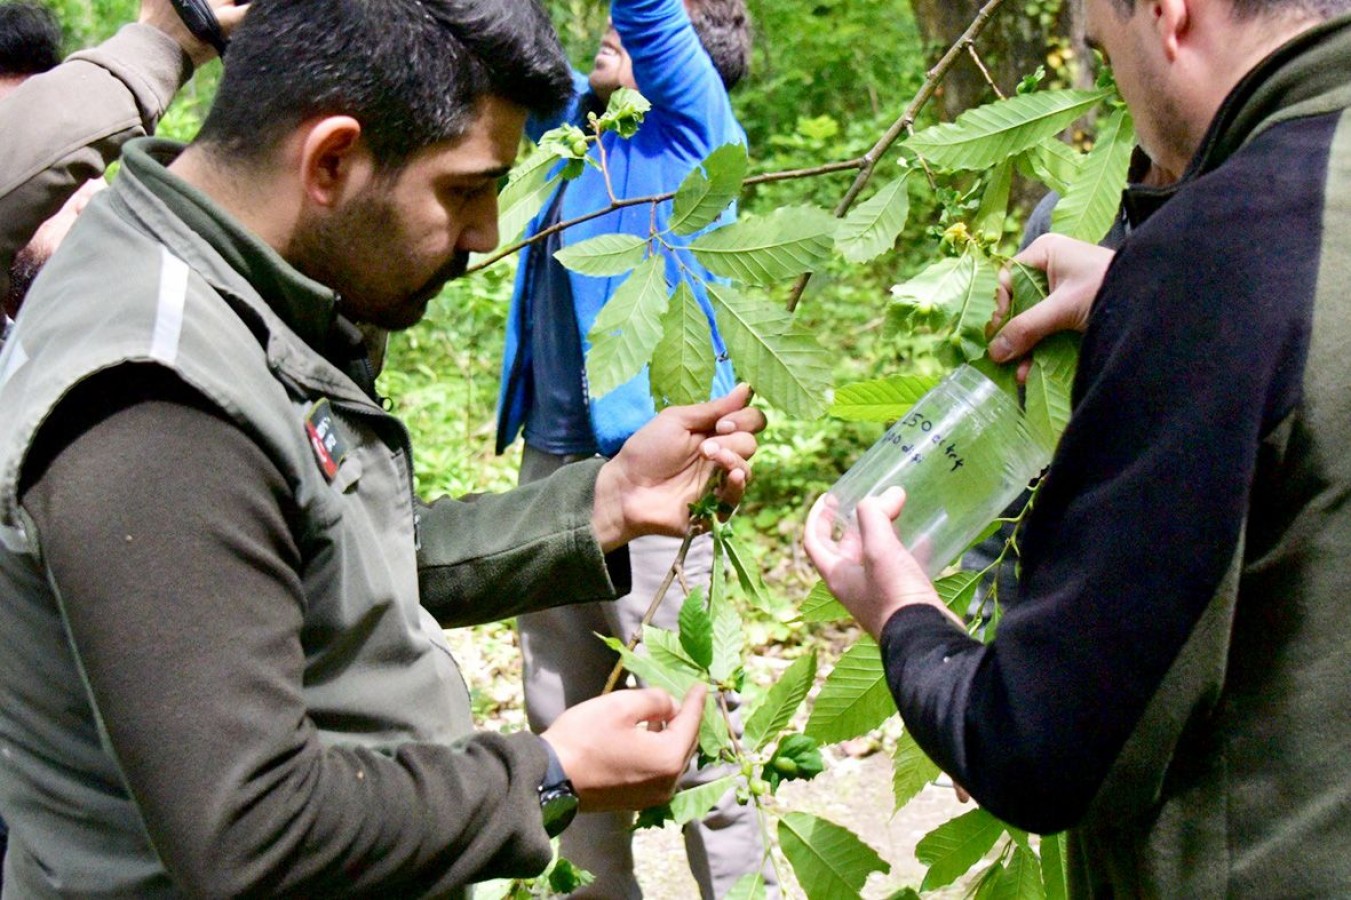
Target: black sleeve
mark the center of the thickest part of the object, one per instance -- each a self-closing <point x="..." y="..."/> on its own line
<point x="1190" y="359"/>
<point x="165" y="531"/>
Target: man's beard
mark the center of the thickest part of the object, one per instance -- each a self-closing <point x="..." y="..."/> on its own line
<point x="24" y="271"/>
<point x="330" y="250"/>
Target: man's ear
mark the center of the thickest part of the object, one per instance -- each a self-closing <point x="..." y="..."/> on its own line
<point x="1172" y="22"/>
<point x="335" y="162"/>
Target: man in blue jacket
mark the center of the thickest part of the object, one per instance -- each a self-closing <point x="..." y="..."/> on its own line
<point x="683" y="57"/>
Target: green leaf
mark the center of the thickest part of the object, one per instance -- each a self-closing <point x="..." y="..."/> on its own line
<point x="830" y="862"/>
<point x="521" y="200"/>
<point x="702" y="197"/>
<point x="1089" y="207"/>
<point x="746" y="575"/>
<point x="855" y="698"/>
<point x="957" y="591"/>
<point x="696" y="629"/>
<point x="783" y="361"/>
<point x="694" y="803"/>
<point x="766" y="249"/>
<point x="729" y="639"/>
<point x="666" y="650"/>
<point x="1030" y="287"/>
<point x="1052" y="162"/>
<point x="872" y="228"/>
<point x="907" y="893"/>
<point x="652" y="817"/>
<point x="911" y="771"/>
<point x="628" y="328"/>
<point x="1004" y="376"/>
<point x="672" y="680"/>
<point x="951" y="849"/>
<point x="771" y="715"/>
<point x="990" y="134"/>
<point x="566" y="878"/>
<point x="1021" y="879"/>
<point x="683" y="363"/>
<point x="821" y="606"/>
<point x="606" y="254"/>
<point x="1050" y="385"/>
<point x="988" y="882"/>
<point x="994" y="203"/>
<point x="750" y="886"/>
<point x="963" y="288"/>
<point x="797" y="758"/>
<point x="882" y="400"/>
<point x="624" y="112"/>
<point x="1053" y="870"/>
<point x="971" y="309"/>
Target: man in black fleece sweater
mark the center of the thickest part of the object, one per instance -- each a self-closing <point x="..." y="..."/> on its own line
<point x="1171" y="680"/>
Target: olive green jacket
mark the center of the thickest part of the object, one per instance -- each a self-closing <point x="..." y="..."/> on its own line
<point x="154" y="274"/>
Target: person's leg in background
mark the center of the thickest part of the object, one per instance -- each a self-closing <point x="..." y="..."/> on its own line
<point x="565" y="664"/>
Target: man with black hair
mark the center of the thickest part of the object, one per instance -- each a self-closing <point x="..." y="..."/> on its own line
<point x="63" y="124"/>
<point x="222" y="670"/>
<point x="1171" y="680"/>
<point x="30" y="42"/>
<point x="683" y="57"/>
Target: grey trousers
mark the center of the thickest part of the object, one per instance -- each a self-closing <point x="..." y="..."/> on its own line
<point x="566" y="664"/>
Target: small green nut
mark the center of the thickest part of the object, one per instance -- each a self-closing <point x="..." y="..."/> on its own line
<point x="759" y="787"/>
<point x="955" y="340"/>
<point x="924" y="308"/>
<point x="747" y="769"/>
<point x="578" y="146"/>
<point x="785" y="766"/>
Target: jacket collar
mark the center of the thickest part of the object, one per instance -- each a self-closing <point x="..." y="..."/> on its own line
<point x="303" y="305"/>
<point x="1307" y="76"/>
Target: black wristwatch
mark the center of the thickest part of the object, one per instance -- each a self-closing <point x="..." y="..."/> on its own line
<point x="557" y="798"/>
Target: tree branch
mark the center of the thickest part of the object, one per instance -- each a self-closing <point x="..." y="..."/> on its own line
<point x="934" y="77"/>
<point x="766" y="178"/>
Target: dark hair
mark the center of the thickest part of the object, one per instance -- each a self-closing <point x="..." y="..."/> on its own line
<point x="724" y="28"/>
<point x="412" y="72"/>
<point x="1251" y="9"/>
<point x="30" y="39"/>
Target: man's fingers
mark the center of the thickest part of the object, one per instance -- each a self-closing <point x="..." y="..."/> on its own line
<point x="1037" y="255"/>
<point x="1023" y="332"/>
<point x="875" y="515"/>
<point x="683" y="730"/>
<point x="748" y="419"/>
<point x="705" y="416"/>
<point x="651" y="705"/>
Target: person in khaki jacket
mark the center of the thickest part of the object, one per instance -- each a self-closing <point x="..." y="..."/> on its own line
<point x="222" y="670"/>
<point x="63" y="125"/>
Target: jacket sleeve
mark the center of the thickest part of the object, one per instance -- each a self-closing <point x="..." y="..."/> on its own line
<point x="503" y="554"/>
<point x="672" y="69"/>
<point x="65" y="126"/>
<point x="185" y="608"/>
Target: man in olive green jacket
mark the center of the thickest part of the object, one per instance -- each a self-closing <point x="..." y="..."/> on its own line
<point x="221" y="668"/>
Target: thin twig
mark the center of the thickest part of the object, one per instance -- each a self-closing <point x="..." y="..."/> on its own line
<point x="926" y="92"/>
<point x="652" y="608"/>
<point x="766" y="178"/>
<point x="980" y="64"/>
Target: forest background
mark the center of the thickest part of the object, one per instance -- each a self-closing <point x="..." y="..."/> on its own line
<point x="828" y="78"/>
